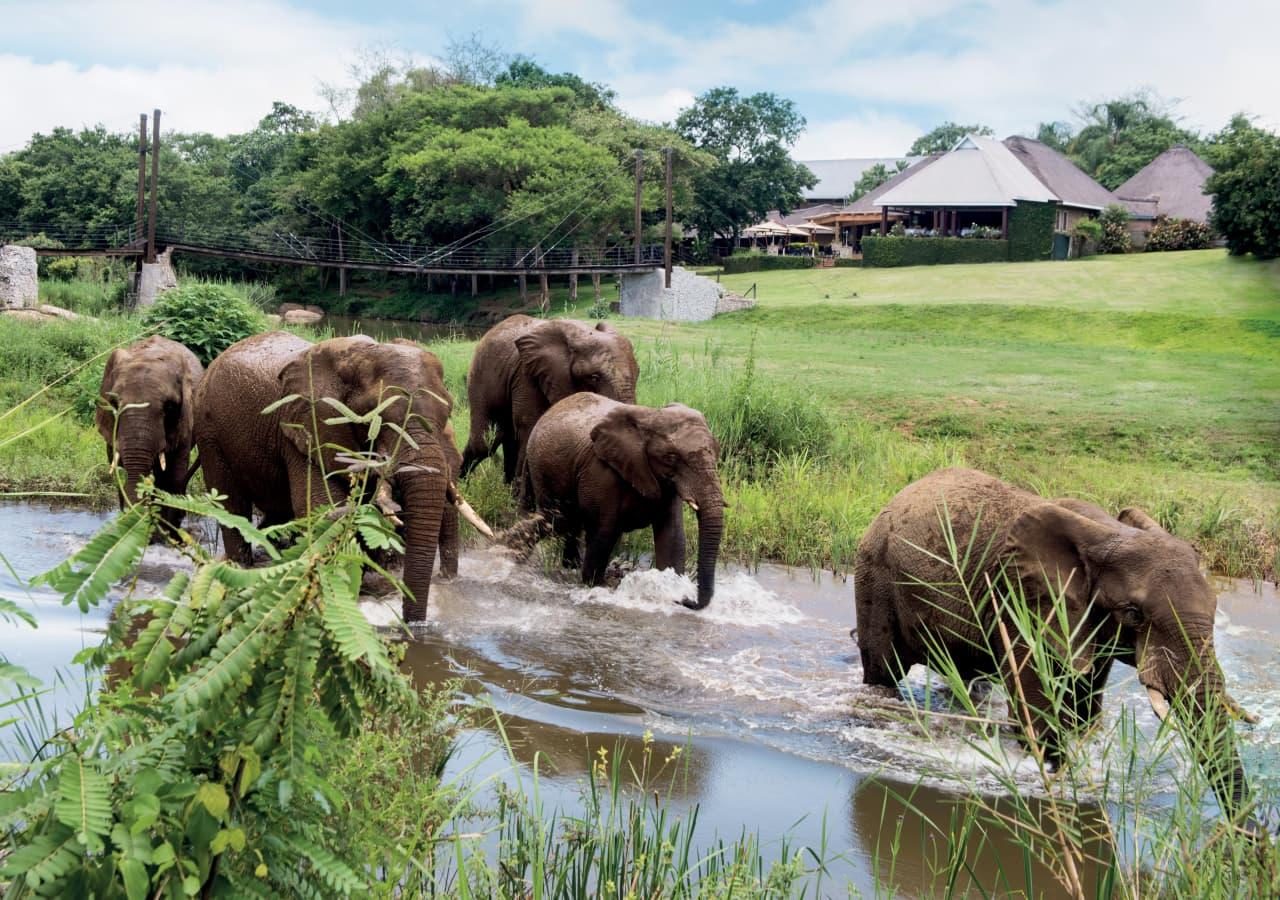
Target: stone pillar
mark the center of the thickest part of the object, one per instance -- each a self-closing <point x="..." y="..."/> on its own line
<point x="156" y="278"/>
<point x="19" y="285"/>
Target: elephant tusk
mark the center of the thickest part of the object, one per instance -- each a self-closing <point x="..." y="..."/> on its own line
<point x="115" y="461"/>
<point x="162" y="461"/>
<point x="1239" y="711"/>
<point x="693" y="506"/>
<point x="1159" y="703"/>
<point x="465" y="510"/>
<point x="387" y="506"/>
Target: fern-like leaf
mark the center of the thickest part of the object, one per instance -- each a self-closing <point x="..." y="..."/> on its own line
<point x="111" y="554"/>
<point x="200" y="506"/>
<point x="301" y="655"/>
<point x="332" y="872"/>
<point x="45" y="860"/>
<point x="347" y="627"/>
<point x="84" y="801"/>
<point x="12" y="612"/>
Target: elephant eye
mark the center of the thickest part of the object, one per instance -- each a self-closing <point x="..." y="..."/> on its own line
<point x="1131" y="616"/>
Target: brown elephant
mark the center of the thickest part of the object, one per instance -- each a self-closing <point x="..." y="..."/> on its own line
<point x="146" y="414"/>
<point x="523" y="366"/>
<point x="1128" y="590"/>
<point x="604" y="467"/>
<point x="285" y="462"/>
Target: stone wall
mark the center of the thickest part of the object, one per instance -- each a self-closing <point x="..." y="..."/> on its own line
<point x="691" y="297"/>
<point x="18" y="285"/>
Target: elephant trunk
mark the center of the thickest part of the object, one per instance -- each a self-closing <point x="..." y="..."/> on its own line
<point x="423" y="480"/>
<point x="1208" y="731"/>
<point x="710" y="502"/>
<point x="139" y="438"/>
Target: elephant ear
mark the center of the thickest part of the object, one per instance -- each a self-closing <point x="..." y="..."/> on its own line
<point x="1135" y="517"/>
<point x="312" y="375"/>
<point x="1053" y="547"/>
<point x="102" y="416"/>
<point x="546" y="357"/>
<point x="619" y="442"/>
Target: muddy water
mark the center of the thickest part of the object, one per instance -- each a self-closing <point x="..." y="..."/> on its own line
<point x="389" y="329"/>
<point x="759" y="693"/>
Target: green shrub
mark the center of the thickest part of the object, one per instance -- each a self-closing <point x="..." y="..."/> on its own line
<point x="844" y="262"/>
<point x="885" y="252"/>
<point x="1115" y="230"/>
<point x="206" y="316"/>
<point x="1031" y="231"/>
<point x="1088" y="229"/>
<point x="1179" y="234"/>
<point x="737" y="264"/>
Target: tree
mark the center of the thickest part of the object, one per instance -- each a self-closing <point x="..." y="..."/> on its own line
<point x="1246" y="188"/>
<point x="873" y="177"/>
<point x="1054" y="134"/>
<point x="1121" y="136"/>
<point x="524" y="72"/>
<point x="752" y="172"/>
<point x="944" y="137"/>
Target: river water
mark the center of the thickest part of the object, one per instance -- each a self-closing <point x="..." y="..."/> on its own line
<point x="760" y="692"/>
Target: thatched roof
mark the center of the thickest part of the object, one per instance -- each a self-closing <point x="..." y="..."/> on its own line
<point x="1175" y="180"/>
<point x="978" y="172"/>
<point x="1060" y="175"/>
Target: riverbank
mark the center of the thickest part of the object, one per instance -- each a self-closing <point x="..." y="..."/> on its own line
<point x="1149" y="380"/>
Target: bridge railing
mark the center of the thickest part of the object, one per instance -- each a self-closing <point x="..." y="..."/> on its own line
<point x="68" y="236"/>
<point x="333" y="251"/>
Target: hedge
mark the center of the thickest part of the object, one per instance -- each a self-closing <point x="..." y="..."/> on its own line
<point x="885" y="252"/>
<point x="1031" y="231"/>
<point x="759" y="262"/>
<point x="845" y="262"/>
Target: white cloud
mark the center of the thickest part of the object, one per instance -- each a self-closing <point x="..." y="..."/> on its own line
<point x="662" y="107"/>
<point x="208" y="67"/>
<point x="869" y="135"/>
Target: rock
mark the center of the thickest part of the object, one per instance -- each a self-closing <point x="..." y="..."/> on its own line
<point x="25" y="314"/>
<point x="289" y="307"/>
<point x="274" y="319"/>
<point x="302" y="317"/>
<point x="18" y="285"/>
<point x="311" y="308"/>
<point x="50" y="310"/>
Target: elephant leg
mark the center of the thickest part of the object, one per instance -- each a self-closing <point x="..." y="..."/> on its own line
<point x="476" y="450"/>
<point x="571" y="530"/>
<point x="602" y="538"/>
<point x="218" y="477"/>
<point x="877" y="629"/>
<point x="1039" y="709"/>
<point x="668" y="538"/>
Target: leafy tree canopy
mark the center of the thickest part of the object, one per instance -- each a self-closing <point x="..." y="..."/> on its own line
<point x="944" y="137"/>
<point x="873" y="177"/>
<point x="748" y="138"/>
<point x="1121" y="136"/>
<point x="1246" y="188"/>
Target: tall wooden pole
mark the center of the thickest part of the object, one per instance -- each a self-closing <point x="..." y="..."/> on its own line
<point x="666" y="238"/>
<point x="639" y="183"/>
<point x="142" y="175"/>
<point x="155" y="181"/>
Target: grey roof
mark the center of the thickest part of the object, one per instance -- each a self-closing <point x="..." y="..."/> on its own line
<point x="802" y="215"/>
<point x="836" y="177"/>
<point x="1175" y="180"/>
<point x="1060" y="175"/>
<point x="978" y="171"/>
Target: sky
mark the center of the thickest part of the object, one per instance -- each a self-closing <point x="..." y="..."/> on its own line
<point x="869" y="77"/>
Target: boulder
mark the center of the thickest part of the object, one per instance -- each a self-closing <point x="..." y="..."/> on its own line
<point x="302" y="317"/>
<point x="18" y="285"/>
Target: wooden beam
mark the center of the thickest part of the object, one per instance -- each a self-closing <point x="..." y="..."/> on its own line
<point x="666" y="240"/>
<point x="155" y="183"/>
<point x="639" y="184"/>
<point x="884" y="220"/>
<point x="142" y="174"/>
<point x="1004" y="223"/>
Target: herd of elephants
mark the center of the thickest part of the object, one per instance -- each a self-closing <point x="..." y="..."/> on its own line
<point x="275" y="419"/>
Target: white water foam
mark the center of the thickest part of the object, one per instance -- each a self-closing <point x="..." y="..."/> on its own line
<point x="739" y="598"/>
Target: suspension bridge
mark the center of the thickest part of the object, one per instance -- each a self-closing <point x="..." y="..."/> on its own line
<point x="332" y="243"/>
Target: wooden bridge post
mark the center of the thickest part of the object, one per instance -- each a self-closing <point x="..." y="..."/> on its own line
<point x="155" y="181"/>
<point x="342" y="270"/>
<point x="595" y="286"/>
<point x="142" y="175"/>
<point x="573" y="278"/>
<point x="475" y="285"/>
<point x="666" y="239"/>
<point x="544" y="301"/>
<point x="524" y="289"/>
<point x="639" y="185"/>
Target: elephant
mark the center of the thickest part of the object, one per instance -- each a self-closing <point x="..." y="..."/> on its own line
<point x="604" y="467"/>
<point x="1105" y="588"/>
<point x="284" y="461"/>
<point x="523" y="366"/>
<point x="146" y="413"/>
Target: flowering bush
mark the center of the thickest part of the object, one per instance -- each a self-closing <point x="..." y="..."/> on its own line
<point x="1179" y="234"/>
<point x="1115" y="230"/>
